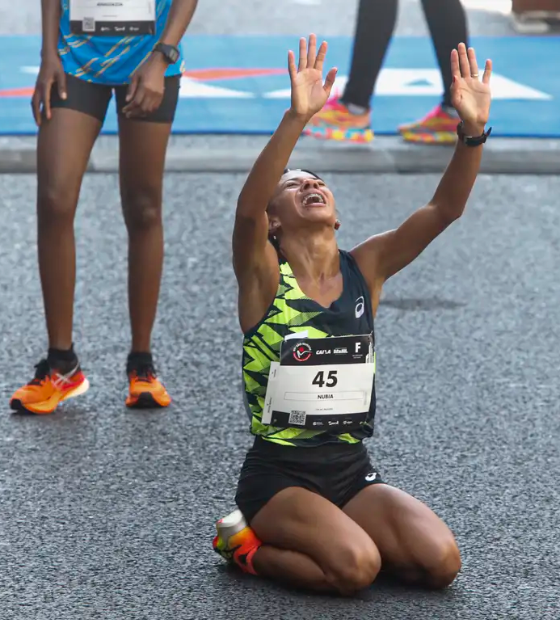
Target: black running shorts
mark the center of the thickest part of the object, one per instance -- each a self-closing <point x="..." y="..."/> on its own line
<point x="337" y="472"/>
<point x="93" y="99"/>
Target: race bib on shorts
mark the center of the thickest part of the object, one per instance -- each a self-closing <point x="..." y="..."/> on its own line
<point x="321" y="383"/>
<point x="115" y="18"/>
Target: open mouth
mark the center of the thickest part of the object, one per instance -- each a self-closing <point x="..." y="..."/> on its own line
<point x="314" y="199"/>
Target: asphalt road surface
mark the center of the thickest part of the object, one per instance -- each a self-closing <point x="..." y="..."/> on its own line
<point x="109" y="514"/>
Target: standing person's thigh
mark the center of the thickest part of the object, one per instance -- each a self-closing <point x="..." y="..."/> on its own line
<point x="65" y="142"/>
<point x="143" y="147"/>
<point x="296" y="519"/>
<point x="414" y="543"/>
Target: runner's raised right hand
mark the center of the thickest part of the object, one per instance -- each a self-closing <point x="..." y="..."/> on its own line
<point x="51" y="72"/>
<point x="309" y="94"/>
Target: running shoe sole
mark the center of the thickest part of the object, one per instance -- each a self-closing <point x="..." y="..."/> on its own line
<point x="429" y="139"/>
<point x="146" y="401"/>
<point x="359" y="137"/>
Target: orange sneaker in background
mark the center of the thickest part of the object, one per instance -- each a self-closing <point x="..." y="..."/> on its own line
<point x="49" y="388"/>
<point x="146" y="391"/>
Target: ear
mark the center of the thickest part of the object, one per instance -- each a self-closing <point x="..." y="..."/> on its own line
<point x="273" y="226"/>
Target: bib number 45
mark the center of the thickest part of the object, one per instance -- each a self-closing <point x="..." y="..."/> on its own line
<point x="330" y="381"/>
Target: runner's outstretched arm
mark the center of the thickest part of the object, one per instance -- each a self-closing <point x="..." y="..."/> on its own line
<point x="309" y="94"/>
<point x="383" y="255"/>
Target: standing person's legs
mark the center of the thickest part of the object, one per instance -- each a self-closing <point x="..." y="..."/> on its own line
<point x="348" y="118"/>
<point x="447" y="22"/>
<point x="143" y="146"/>
<point x="63" y="149"/>
<point x="375" y="24"/>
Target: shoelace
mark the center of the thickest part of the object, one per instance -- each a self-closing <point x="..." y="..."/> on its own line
<point x="144" y="372"/>
<point x="42" y="371"/>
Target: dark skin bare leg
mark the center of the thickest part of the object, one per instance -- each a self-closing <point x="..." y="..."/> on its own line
<point x="63" y="149"/>
<point x="294" y="527"/>
<point x="415" y="544"/>
<point x="143" y="147"/>
<point x="309" y="543"/>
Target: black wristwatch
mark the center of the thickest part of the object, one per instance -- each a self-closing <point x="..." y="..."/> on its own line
<point x="472" y="140"/>
<point x="169" y="52"/>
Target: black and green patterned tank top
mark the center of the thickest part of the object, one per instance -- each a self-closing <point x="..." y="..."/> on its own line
<point x="292" y="312"/>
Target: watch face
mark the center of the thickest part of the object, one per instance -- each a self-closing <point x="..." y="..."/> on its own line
<point x="173" y="55"/>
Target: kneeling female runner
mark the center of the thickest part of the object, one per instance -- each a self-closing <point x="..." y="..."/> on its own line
<point x="313" y="512"/>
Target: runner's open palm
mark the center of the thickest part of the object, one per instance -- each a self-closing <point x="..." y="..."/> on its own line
<point x="470" y="96"/>
<point x="309" y="93"/>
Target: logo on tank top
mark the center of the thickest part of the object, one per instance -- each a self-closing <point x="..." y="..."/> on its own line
<point x="360" y="307"/>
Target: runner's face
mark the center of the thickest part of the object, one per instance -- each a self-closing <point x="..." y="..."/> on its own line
<point x="301" y="196"/>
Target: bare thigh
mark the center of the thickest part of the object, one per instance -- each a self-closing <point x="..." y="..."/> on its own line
<point x="414" y="543"/>
<point x="300" y="521"/>
<point x="64" y="146"/>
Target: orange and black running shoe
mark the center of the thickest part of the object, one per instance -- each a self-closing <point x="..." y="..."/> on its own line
<point x="146" y="391"/>
<point x="236" y="542"/>
<point x="49" y="388"/>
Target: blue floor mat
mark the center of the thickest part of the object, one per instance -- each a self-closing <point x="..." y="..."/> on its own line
<point x="238" y="84"/>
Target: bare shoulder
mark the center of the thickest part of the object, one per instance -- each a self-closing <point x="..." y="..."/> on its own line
<point x="368" y="256"/>
<point x="257" y="288"/>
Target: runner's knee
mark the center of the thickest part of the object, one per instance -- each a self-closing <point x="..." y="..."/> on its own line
<point x="443" y="563"/>
<point x="355" y="567"/>
<point x="142" y="208"/>
<point x="56" y="203"/>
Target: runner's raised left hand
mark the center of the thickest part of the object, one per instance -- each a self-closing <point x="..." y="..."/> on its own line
<point x="470" y="95"/>
<point x="309" y="93"/>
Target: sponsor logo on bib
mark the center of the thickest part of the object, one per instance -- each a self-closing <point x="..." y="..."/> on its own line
<point x="302" y="352"/>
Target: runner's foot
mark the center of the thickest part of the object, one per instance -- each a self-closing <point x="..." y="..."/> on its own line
<point x="236" y="542"/>
<point x="49" y="388"/>
<point x="438" y="127"/>
<point x="146" y="391"/>
<point x="336" y="122"/>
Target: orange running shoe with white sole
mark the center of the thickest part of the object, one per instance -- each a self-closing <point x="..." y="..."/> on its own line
<point x="335" y="122"/>
<point x="146" y="391"/>
<point x="48" y="389"/>
<point x="437" y="127"/>
<point x="236" y="542"/>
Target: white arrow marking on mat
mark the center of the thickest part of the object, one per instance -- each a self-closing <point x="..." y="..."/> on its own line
<point x="201" y="90"/>
<point x="401" y="82"/>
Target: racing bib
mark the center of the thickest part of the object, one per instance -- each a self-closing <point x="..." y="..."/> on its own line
<point x="113" y="17"/>
<point x="321" y="383"/>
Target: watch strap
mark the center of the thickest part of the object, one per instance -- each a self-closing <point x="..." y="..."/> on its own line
<point x="472" y="140"/>
<point x="169" y="52"/>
